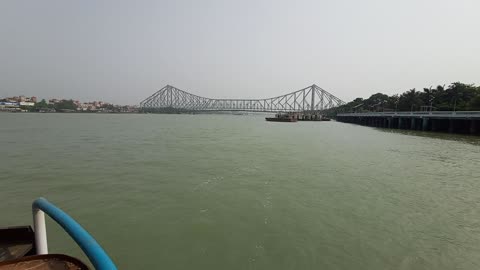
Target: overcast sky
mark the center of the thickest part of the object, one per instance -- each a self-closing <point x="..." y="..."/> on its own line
<point x="122" y="51"/>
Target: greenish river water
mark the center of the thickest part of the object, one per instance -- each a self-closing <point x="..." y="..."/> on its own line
<point x="237" y="192"/>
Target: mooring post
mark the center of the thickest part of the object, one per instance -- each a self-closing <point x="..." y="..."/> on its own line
<point x="424" y="124"/>
<point x="451" y="125"/>
<point x="473" y="126"/>
<point x="434" y="124"/>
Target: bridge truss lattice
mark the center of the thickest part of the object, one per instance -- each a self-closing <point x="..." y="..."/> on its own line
<point x="311" y="98"/>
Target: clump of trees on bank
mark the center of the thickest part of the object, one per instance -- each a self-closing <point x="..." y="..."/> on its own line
<point x="63" y="105"/>
<point x="456" y="97"/>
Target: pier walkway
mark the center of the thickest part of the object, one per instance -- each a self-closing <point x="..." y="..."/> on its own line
<point x="443" y="121"/>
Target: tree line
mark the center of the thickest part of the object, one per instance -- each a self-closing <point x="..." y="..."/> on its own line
<point x="456" y="97"/>
<point x="61" y="105"/>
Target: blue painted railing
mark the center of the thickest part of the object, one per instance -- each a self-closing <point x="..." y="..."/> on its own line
<point x="95" y="253"/>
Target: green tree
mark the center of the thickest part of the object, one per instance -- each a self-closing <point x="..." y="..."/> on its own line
<point x="42" y="104"/>
<point x="410" y="101"/>
<point x="474" y="104"/>
<point x="459" y="95"/>
<point x="376" y="102"/>
<point x="392" y="102"/>
<point x="65" y="105"/>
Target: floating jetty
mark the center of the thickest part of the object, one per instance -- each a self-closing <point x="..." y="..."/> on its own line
<point x="294" y="117"/>
<point x="282" y="117"/>
<point x="312" y="117"/>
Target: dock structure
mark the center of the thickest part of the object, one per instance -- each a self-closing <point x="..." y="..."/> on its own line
<point x="464" y="122"/>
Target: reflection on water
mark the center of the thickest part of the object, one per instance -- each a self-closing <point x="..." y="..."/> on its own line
<point x="471" y="139"/>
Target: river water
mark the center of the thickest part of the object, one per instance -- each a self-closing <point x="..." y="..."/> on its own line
<point x="237" y="192"/>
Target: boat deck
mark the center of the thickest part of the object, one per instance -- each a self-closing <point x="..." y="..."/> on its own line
<point x="17" y="252"/>
<point x="16" y="242"/>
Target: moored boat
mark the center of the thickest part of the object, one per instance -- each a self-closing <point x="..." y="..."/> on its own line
<point x="282" y="118"/>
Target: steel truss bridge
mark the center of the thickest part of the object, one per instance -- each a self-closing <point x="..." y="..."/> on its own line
<point x="308" y="99"/>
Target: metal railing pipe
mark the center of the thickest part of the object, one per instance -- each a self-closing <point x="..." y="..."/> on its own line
<point x="40" y="231"/>
<point x="95" y="253"/>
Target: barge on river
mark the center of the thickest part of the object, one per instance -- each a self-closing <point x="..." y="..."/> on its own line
<point x="283" y="117"/>
<point x="294" y="117"/>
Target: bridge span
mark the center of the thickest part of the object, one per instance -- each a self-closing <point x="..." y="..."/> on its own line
<point x="308" y="99"/>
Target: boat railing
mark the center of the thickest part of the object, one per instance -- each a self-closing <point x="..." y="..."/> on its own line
<point x="95" y="253"/>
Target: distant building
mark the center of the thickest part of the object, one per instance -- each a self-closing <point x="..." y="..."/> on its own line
<point x="9" y="106"/>
<point x="15" y="103"/>
<point x="21" y="98"/>
<point x="25" y="103"/>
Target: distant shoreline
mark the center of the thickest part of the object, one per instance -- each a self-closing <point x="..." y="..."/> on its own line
<point x="80" y="112"/>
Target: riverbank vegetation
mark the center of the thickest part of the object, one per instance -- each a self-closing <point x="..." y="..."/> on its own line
<point x="43" y="106"/>
<point x="456" y="97"/>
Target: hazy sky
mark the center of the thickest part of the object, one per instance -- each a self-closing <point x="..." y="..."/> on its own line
<point x="122" y="51"/>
